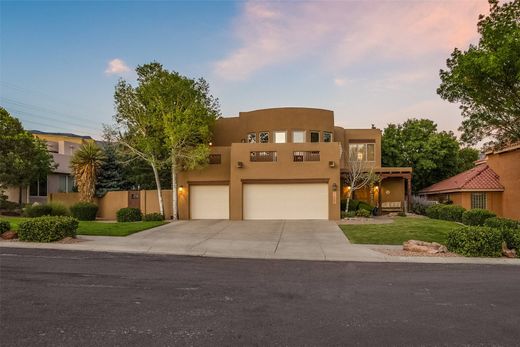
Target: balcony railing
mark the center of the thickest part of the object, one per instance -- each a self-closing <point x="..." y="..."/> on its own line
<point x="263" y="156"/>
<point x="306" y="156"/>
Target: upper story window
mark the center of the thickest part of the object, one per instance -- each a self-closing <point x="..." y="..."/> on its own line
<point x="251" y="138"/>
<point x="215" y="159"/>
<point x="298" y="136"/>
<point x="327" y="136"/>
<point x="264" y="137"/>
<point x="263" y="156"/>
<point x="479" y="200"/>
<point x="362" y="151"/>
<point x="280" y="137"/>
<point x="315" y="136"/>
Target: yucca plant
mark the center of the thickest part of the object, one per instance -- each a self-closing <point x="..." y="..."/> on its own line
<point x="85" y="165"/>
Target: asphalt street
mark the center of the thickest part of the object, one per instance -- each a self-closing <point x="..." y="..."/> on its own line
<point x="71" y="298"/>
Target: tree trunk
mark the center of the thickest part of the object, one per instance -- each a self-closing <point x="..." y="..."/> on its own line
<point x="20" y="195"/>
<point x="175" y="205"/>
<point x="159" y="191"/>
<point x="348" y="201"/>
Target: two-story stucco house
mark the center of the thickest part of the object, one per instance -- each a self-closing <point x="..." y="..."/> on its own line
<point x="62" y="146"/>
<point x="286" y="163"/>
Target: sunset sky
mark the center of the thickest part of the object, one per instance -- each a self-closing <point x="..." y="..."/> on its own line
<point x="368" y="61"/>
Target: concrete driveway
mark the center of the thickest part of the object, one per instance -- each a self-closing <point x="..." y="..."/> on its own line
<point x="273" y="239"/>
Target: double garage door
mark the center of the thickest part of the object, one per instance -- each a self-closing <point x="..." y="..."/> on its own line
<point x="263" y="201"/>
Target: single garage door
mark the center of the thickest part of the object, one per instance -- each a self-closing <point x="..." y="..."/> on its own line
<point x="286" y="201"/>
<point x="209" y="202"/>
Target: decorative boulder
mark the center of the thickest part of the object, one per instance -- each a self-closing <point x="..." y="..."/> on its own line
<point x="424" y="247"/>
<point x="9" y="235"/>
<point x="509" y="253"/>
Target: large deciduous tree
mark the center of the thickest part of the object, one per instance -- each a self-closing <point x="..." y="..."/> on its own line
<point x="433" y="155"/>
<point x="85" y="164"/>
<point x="23" y="158"/>
<point x="485" y="78"/>
<point x="188" y="112"/>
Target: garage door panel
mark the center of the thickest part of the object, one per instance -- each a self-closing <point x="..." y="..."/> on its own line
<point x="209" y="202"/>
<point x="286" y="201"/>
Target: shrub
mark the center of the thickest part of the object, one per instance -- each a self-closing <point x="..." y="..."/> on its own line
<point x="511" y="237"/>
<point x="4" y="226"/>
<point x="401" y="214"/>
<point x="433" y="211"/>
<point x="365" y="206"/>
<point x="352" y="205"/>
<point x="475" y="241"/>
<point x="8" y="205"/>
<point x="476" y="216"/>
<point x="363" y="213"/>
<point x="58" y="209"/>
<point x="153" y="217"/>
<point x="48" y="229"/>
<point x="36" y="210"/>
<point x="129" y="214"/>
<point x="84" y="210"/>
<point x="420" y="204"/>
<point x="451" y="212"/>
<point x="501" y="223"/>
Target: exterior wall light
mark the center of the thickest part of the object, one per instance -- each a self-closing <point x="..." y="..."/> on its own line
<point x="332" y="164"/>
<point x="334" y="187"/>
<point x="181" y="188"/>
<point x="240" y="164"/>
<point x="211" y="143"/>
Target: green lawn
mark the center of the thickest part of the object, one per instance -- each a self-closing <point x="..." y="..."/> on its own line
<point x="403" y="229"/>
<point x="98" y="228"/>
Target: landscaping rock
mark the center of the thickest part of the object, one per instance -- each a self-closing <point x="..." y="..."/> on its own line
<point x="509" y="253"/>
<point x="424" y="247"/>
<point x="9" y="235"/>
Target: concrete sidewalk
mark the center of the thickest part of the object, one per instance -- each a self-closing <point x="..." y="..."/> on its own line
<point x="277" y="239"/>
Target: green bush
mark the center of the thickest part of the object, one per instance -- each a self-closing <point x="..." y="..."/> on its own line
<point x="475" y="241"/>
<point x="4" y="226"/>
<point x="420" y="204"/>
<point x="352" y="205"/>
<point x="129" y="214"/>
<point x="511" y="237"/>
<point x="501" y="223"/>
<point x="33" y="211"/>
<point x="451" y="212"/>
<point x="365" y="206"/>
<point x="153" y="217"/>
<point x="433" y="211"/>
<point x="8" y="205"/>
<point x="84" y="210"/>
<point x="476" y="216"/>
<point x="363" y="213"/>
<point x="48" y="229"/>
<point x="58" y="209"/>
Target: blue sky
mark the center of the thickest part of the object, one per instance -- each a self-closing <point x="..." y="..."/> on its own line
<point x="370" y="62"/>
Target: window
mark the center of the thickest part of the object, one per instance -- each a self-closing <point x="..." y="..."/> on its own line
<point x="251" y="138"/>
<point x="262" y="156"/>
<point x="362" y="151"/>
<point x="298" y="136"/>
<point x="306" y="156"/>
<point x="315" y="136"/>
<point x="280" y="137"/>
<point x="38" y="187"/>
<point x="327" y="137"/>
<point x="264" y="137"/>
<point x="215" y="158"/>
<point x="65" y="183"/>
<point x="478" y="200"/>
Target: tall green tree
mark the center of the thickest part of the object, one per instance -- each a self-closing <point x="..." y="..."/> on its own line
<point x="139" y="127"/>
<point x="188" y="112"/>
<point x="434" y="155"/>
<point x="23" y="158"/>
<point x="485" y="78"/>
<point x="110" y="177"/>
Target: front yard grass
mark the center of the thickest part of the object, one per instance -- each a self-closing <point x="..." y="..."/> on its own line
<point x="403" y="229"/>
<point x="98" y="228"/>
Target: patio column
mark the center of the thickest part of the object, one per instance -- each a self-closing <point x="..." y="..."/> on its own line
<point x="379" y="192"/>
<point x="409" y="193"/>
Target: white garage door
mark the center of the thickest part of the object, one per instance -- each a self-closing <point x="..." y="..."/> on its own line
<point x="209" y="202"/>
<point x="286" y="201"/>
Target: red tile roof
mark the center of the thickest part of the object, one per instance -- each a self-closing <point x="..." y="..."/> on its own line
<point x="481" y="177"/>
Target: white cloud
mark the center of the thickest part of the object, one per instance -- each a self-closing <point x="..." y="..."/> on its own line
<point x="340" y="34"/>
<point x="116" y="67"/>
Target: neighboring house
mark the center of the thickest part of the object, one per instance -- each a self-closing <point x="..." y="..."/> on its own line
<point x="492" y="184"/>
<point x="62" y="146"/>
<point x="285" y="163"/>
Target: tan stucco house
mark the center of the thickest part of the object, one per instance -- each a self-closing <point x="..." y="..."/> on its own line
<point x="492" y="184"/>
<point x="286" y="163"/>
<point x="62" y="146"/>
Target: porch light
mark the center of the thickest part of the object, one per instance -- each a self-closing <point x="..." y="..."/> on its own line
<point x="211" y="143"/>
<point x="334" y="187"/>
<point x="376" y="188"/>
<point x="181" y="188"/>
<point x="240" y="164"/>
